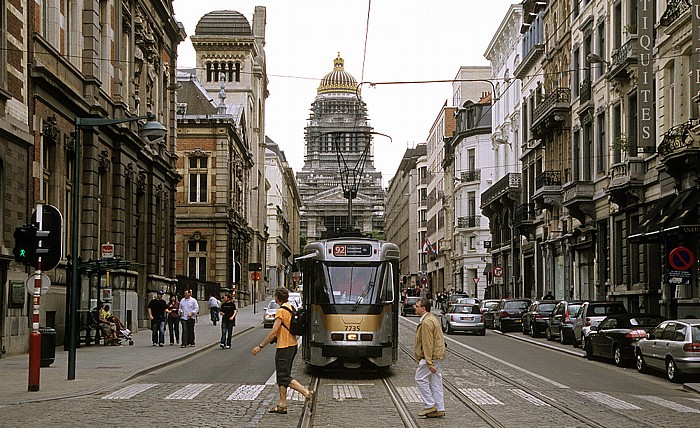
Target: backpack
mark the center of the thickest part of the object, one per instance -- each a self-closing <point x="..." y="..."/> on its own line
<point x="298" y="324"/>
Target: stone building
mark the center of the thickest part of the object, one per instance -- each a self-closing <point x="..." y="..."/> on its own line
<point x="102" y="60"/>
<point x="221" y="109"/>
<point x="339" y="138"/>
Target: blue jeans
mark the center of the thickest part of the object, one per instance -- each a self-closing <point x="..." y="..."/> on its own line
<point x="226" y="333"/>
<point x="158" y="331"/>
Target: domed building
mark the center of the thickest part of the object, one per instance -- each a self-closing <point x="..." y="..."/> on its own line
<point x="337" y="134"/>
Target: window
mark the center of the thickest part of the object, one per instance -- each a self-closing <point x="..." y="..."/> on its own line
<point x="617" y="132"/>
<point x="197" y="260"/>
<point x="577" y="156"/>
<point x="601" y="48"/>
<point x="576" y="73"/>
<point x="632" y="127"/>
<point x="601" y="149"/>
<point x="3" y="45"/>
<point x="198" y="179"/>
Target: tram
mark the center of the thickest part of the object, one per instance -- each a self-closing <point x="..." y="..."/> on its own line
<point x="351" y="297"/>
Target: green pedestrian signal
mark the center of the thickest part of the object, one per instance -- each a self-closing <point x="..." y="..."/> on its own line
<point x="25" y="244"/>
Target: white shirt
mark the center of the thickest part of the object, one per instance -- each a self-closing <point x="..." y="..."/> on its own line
<point x="213" y="302"/>
<point x="188" y="305"/>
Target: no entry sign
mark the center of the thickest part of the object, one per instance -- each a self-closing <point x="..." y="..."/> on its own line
<point x="681" y="258"/>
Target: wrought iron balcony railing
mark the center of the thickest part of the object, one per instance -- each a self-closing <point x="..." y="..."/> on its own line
<point x="469" y="221"/>
<point x="548" y="178"/>
<point x="559" y="95"/>
<point x="524" y="213"/>
<point x="678" y="138"/>
<point x="468" y="176"/>
<point x="674" y="9"/>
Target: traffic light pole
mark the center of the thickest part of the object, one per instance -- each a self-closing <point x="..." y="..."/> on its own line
<point x="35" y="336"/>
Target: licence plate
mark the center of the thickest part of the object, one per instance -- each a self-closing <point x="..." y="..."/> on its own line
<point x="517" y="321"/>
<point x="466" y="318"/>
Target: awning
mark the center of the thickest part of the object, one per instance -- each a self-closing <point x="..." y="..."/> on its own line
<point x="669" y="214"/>
<point x="488" y="269"/>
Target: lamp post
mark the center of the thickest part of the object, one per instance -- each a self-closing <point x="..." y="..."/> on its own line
<point x="150" y="131"/>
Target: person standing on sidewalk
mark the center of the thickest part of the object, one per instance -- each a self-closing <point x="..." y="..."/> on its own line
<point x="189" y="308"/>
<point x="228" y="321"/>
<point x="173" y="311"/>
<point x="156" y="312"/>
<point x="214" y="305"/>
<point x="286" y="351"/>
<point x="429" y="353"/>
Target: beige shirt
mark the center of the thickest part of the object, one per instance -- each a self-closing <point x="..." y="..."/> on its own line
<point x="430" y="343"/>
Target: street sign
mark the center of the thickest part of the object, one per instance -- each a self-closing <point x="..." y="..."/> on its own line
<point x="45" y="284"/>
<point x="681" y="258"/>
<point x="476" y="280"/>
<point x="255" y="266"/>
<point x="423" y="280"/>
<point x="255" y="276"/>
<point x="678" y="277"/>
<point x="498" y="271"/>
<point x="108" y="251"/>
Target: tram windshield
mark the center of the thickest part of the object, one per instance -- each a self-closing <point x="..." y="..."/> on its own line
<point x="354" y="285"/>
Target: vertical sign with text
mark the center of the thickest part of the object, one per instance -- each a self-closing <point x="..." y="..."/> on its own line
<point x="646" y="131"/>
<point x="695" y="66"/>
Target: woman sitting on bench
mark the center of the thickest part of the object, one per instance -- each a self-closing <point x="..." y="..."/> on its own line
<point x="109" y="329"/>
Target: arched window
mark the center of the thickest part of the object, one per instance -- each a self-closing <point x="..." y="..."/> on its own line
<point x="209" y="69"/>
<point x="230" y="72"/>
<point x="238" y="72"/>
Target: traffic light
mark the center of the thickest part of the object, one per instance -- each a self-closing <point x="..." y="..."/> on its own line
<point x="25" y="244"/>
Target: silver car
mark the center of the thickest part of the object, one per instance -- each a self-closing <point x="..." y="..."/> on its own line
<point x="269" y="314"/>
<point x="463" y="317"/>
<point x="673" y="346"/>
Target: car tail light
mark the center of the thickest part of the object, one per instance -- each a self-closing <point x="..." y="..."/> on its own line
<point x="588" y="322"/>
<point x="538" y="316"/>
<point x="636" y="334"/>
<point x="691" y="347"/>
<point x="566" y="319"/>
<point x="503" y="314"/>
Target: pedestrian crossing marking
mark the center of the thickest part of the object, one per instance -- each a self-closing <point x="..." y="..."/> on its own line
<point x="272" y="379"/>
<point x="188" y="392"/>
<point x="480" y="397"/>
<point x="129" y="391"/>
<point x="610" y="401"/>
<point x="668" y="404"/>
<point x="528" y="397"/>
<point x="294" y="395"/>
<point x="409" y="394"/>
<point x="246" y="392"/>
<point x="345" y="392"/>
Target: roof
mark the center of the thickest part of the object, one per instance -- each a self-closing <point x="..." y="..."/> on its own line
<point x="338" y="80"/>
<point x="223" y="23"/>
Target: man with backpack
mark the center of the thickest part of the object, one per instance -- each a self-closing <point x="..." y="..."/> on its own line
<point x="286" y="351"/>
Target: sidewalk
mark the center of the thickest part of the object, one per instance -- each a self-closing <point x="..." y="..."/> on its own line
<point x="98" y="367"/>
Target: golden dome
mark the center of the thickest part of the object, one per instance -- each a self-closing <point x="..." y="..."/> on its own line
<point x="338" y="80"/>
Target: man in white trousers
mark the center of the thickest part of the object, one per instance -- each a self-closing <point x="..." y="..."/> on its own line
<point x="429" y="353"/>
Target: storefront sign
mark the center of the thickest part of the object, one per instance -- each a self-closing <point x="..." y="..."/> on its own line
<point x="646" y="141"/>
<point x="695" y="66"/>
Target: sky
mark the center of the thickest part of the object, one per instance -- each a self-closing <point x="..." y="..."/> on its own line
<point x="407" y="40"/>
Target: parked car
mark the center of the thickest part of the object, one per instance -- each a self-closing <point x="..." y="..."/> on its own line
<point x="488" y="308"/>
<point x="409" y="305"/>
<point x="269" y="314"/>
<point x="295" y="300"/>
<point x="561" y="322"/>
<point x="452" y="299"/>
<point x="509" y="314"/>
<point x="592" y="313"/>
<point x="616" y="336"/>
<point x="463" y="317"/>
<point x="673" y="346"/>
<point x="536" y="317"/>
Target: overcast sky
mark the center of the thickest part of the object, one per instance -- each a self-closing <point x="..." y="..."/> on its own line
<point x="407" y="40"/>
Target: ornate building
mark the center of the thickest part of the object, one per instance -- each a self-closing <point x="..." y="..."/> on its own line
<point x="337" y="134"/>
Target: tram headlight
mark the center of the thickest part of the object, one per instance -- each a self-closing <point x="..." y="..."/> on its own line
<point x="366" y="337"/>
<point x="337" y="336"/>
<point x="352" y="336"/>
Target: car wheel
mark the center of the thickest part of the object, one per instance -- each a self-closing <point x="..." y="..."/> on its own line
<point x="639" y="362"/>
<point x="672" y="372"/>
<point x="449" y="329"/>
<point x="525" y="330"/>
<point x="548" y="334"/>
<point x="533" y="331"/>
<point x="617" y="356"/>
<point x="589" y="350"/>
<point x="562" y="337"/>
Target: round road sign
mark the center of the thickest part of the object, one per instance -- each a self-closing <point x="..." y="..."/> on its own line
<point x="423" y="280"/>
<point x="255" y="276"/>
<point x="497" y="271"/>
<point x="681" y="258"/>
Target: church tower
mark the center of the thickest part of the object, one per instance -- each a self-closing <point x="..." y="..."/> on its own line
<point x="337" y="134"/>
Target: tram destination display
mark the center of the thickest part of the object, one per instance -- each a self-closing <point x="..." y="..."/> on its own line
<point x="352" y="250"/>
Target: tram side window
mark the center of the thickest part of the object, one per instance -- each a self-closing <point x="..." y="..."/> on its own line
<point x="320" y="285"/>
<point x="386" y="285"/>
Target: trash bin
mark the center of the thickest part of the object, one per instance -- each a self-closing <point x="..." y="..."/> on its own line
<point x="48" y="346"/>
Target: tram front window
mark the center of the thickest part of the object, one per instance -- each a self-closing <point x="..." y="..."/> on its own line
<point x="358" y="284"/>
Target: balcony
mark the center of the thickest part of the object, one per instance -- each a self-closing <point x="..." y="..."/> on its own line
<point x="524" y="218"/>
<point x="552" y="113"/>
<point x="584" y="91"/>
<point x="504" y="193"/>
<point x="626" y="182"/>
<point x="470" y="176"/>
<point x="680" y="148"/>
<point x="469" y="221"/>
<point x="547" y="189"/>
<point x="623" y="59"/>
<point x="674" y="9"/>
<point x="578" y="199"/>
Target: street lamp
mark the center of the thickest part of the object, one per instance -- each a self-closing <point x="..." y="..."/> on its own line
<point x="150" y="131"/>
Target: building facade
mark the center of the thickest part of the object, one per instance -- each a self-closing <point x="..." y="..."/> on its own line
<point x="339" y="161"/>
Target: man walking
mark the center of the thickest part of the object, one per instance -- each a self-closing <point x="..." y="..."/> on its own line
<point x="228" y="321"/>
<point x="214" y="308"/>
<point x="188" y="311"/>
<point x="429" y="353"/>
<point x="156" y="313"/>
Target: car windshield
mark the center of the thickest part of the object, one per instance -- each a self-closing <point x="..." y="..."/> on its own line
<point x="546" y="307"/>
<point x="516" y="305"/>
<point x="573" y="310"/>
<point x="273" y="305"/>
<point x="411" y="300"/>
<point x="608" y="309"/>
<point x="645" y="321"/>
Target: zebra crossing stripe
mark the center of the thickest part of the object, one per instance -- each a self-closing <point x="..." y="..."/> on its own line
<point x="294" y="395"/>
<point x="480" y="397"/>
<point x="668" y="404"/>
<point x="528" y="397"/>
<point x="246" y="392"/>
<point x="409" y="394"/>
<point x="272" y="379"/>
<point x="129" y="391"/>
<point x="345" y="392"/>
<point x="188" y="392"/>
<point x="609" y="401"/>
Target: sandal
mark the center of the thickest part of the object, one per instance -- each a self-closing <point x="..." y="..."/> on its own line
<point x="310" y="400"/>
<point x="278" y="409"/>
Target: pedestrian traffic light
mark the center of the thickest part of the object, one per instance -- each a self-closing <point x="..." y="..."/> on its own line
<point x="25" y="244"/>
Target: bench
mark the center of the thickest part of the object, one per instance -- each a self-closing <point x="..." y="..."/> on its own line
<point x="88" y="325"/>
